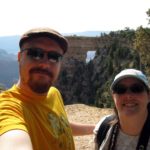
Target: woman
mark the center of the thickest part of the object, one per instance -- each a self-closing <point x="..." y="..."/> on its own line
<point x="129" y="129"/>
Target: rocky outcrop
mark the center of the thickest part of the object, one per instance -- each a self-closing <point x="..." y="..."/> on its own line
<point x="88" y="83"/>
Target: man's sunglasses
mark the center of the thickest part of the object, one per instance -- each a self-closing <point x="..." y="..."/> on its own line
<point x="135" y="88"/>
<point x="38" y="54"/>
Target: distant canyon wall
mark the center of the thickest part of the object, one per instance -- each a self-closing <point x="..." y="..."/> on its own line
<point x="79" y="46"/>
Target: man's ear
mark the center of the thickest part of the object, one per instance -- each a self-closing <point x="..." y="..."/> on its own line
<point x="19" y="55"/>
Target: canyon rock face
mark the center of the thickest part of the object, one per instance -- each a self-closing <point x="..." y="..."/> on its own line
<point x="82" y="82"/>
<point x="79" y="46"/>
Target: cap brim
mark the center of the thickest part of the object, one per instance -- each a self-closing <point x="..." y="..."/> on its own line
<point x="127" y="76"/>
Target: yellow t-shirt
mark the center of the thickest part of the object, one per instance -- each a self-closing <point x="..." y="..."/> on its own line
<point x="43" y="117"/>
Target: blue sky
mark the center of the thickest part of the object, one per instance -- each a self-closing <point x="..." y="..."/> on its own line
<point x="17" y="16"/>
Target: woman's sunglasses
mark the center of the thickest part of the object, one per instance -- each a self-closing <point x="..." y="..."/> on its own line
<point x="135" y="88"/>
<point x="38" y="54"/>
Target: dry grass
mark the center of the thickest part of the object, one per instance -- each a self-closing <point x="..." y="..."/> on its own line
<point x="85" y="114"/>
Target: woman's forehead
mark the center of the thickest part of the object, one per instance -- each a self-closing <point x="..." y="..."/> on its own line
<point x="129" y="80"/>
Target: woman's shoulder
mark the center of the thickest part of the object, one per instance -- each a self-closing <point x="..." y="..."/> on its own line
<point x="110" y="117"/>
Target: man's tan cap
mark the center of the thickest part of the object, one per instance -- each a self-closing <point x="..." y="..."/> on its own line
<point x="45" y="32"/>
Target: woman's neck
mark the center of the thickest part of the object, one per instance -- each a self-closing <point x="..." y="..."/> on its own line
<point x="133" y="125"/>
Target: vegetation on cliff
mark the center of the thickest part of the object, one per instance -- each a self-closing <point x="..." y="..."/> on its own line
<point x="89" y="83"/>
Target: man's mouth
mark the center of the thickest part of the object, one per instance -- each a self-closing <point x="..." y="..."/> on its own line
<point x="41" y="71"/>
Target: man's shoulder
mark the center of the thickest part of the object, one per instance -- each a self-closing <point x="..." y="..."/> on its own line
<point x="53" y="90"/>
<point x="9" y="94"/>
<point x="8" y="90"/>
<point x="5" y="94"/>
<point x="110" y="116"/>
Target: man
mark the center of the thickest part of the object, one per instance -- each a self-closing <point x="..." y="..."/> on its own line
<point x="32" y="115"/>
<point x="130" y="128"/>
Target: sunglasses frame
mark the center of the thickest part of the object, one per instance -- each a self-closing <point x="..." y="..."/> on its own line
<point x="134" y="88"/>
<point x="38" y="54"/>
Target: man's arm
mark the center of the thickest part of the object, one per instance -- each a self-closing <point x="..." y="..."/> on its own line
<point x="15" y="140"/>
<point x="81" y="129"/>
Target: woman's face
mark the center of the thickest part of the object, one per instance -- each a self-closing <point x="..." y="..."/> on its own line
<point x="130" y="97"/>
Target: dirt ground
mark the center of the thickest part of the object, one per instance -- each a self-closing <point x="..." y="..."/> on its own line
<point x="85" y="114"/>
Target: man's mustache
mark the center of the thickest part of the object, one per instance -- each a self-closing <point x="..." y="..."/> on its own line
<point x="41" y="70"/>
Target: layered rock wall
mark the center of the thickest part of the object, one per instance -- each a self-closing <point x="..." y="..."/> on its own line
<point x="78" y="47"/>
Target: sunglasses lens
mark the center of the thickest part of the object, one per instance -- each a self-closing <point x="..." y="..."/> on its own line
<point x="119" y="89"/>
<point x="35" y="53"/>
<point x="38" y="54"/>
<point x="135" y="88"/>
<point x="54" y="57"/>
